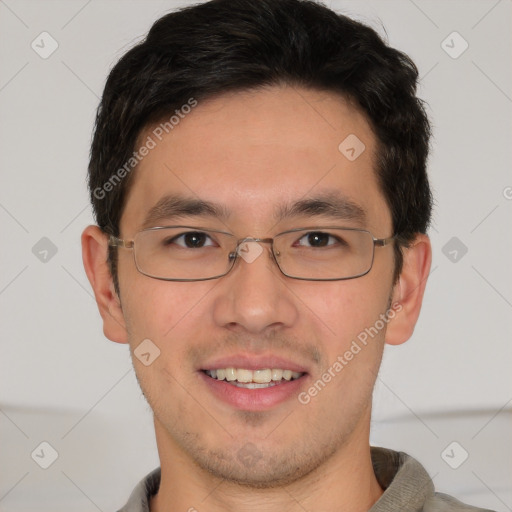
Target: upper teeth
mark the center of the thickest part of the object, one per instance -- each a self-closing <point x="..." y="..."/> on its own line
<point x="259" y="376"/>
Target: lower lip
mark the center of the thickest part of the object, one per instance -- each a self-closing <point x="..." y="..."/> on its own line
<point x="254" y="399"/>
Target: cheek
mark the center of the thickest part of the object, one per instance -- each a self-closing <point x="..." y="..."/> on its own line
<point x="161" y="310"/>
<point x="171" y="316"/>
<point x="352" y="338"/>
<point x="343" y="309"/>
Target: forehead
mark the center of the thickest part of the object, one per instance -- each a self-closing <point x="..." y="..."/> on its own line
<point x="255" y="152"/>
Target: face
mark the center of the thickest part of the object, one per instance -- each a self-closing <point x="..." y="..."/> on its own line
<point x="255" y="155"/>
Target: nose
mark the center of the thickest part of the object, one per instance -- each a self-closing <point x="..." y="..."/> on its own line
<point x="254" y="296"/>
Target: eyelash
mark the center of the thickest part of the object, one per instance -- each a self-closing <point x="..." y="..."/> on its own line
<point x="174" y="239"/>
<point x="182" y="235"/>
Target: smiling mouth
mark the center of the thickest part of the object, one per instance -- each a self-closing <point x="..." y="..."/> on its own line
<point x="253" y="379"/>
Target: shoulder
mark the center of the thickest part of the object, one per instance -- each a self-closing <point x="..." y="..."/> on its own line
<point x="141" y="495"/>
<point x="439" y="502"/>
<point x="408" y="486"/>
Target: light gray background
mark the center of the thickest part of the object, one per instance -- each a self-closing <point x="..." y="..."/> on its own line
<point x="62" y="382"/>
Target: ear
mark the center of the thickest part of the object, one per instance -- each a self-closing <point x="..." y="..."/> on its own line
<point x="408" y="292"/>
<point x="94" y="255"/>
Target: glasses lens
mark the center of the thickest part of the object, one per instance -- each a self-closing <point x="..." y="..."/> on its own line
<point x="183" y="253"/>
<point x="324" y="253"/>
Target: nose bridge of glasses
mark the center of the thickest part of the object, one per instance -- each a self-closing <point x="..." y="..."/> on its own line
<point x="256" y="240"/>
<point x="243" y="249"/>
<point x="249" y="239"/>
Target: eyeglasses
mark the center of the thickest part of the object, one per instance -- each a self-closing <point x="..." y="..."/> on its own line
<point x="186" y="253"/>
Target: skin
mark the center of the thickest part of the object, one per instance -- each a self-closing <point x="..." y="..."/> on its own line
<point x="250" y="152"/>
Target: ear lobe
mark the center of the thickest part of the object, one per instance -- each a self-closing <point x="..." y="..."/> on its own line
<point x="94" y="256"/>
<point x="409" y="290"/>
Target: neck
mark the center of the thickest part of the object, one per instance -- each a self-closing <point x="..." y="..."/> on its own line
<point x="345" y="482"/>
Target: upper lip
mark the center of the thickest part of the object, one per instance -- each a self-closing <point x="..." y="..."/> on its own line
<point x="254" y="362"/>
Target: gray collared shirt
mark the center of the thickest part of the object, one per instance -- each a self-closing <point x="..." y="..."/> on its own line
<point x="407" y="487"/>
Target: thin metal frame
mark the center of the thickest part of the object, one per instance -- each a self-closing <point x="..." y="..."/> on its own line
<point x="234" y="256"/>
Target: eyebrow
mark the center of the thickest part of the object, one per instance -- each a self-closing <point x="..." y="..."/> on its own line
<point x="331" y="205"/>
<point x="172" y="206"/>
<point x="334" y="205"/>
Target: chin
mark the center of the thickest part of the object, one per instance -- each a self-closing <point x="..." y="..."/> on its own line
<point x="250" y="466"/>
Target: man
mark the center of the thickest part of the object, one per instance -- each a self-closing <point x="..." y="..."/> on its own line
<point x="258" y="176"/>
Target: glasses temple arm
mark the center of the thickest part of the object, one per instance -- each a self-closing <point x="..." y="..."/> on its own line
<point x="113" y="241"/>
<point x="381" y="242"/>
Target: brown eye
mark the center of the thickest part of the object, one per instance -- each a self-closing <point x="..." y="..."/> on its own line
<point x="191" y="240"/>
<point x="317" y="239"/>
